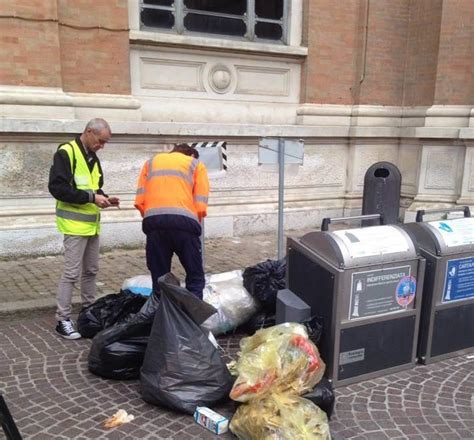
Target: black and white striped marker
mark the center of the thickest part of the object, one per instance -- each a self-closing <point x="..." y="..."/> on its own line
<point x="221" y="144"/>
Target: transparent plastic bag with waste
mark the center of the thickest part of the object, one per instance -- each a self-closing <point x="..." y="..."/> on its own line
<point x="277" y="359"/>
<point x="227" y="294"/>
<point x="280" y="417"/>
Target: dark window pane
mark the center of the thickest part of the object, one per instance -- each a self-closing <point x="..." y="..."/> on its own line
<point x="269" y="31"/>
<point x="269" y="9"/>
<point x="214" y="25"/>
<point x="237" y="7"/>
<point x="157" y="18"/>
<point x="158" y="2"/>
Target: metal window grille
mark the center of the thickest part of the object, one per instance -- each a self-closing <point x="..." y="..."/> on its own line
<point x="258" y="20"/>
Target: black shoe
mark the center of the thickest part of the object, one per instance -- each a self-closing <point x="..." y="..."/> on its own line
<point x="66" y="330"/>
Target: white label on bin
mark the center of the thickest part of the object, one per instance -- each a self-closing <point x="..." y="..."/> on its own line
<point x="381" y="291"/>
<point x="376" y="240"/>
<point x="457" y="232"/>
<point x="349" y="357"/>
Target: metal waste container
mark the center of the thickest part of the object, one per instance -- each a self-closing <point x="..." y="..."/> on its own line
<point x="382" y="185"/>
<point x="447" y="314"/>
<point x="365" y="284"/>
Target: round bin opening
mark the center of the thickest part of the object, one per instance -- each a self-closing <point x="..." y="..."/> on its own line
<point x="381" y="172"/>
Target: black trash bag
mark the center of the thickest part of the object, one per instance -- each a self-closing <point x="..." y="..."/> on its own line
<point x="258" y="321"/>
<point x="147" y="312"/>
<point x="182" y="368"/>
<point x="314" y="327"/>
<point x="117" y="352"/>
<point x="107" y="311"/>
<point x="322" y="395"/>
<point x="264" y="280"/>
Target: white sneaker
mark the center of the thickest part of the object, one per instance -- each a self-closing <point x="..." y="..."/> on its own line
<point x="66" y="330"/>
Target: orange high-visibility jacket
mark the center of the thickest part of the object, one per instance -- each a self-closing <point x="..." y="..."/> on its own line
<point x="173" y="183"/>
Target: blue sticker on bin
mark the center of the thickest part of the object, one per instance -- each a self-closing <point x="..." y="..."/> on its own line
<point x="405" y="292"/>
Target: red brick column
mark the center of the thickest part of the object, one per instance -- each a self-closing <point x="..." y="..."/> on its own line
<point x="422" y="52"/>
<point x="79" y="45"/>
<point x="29" y="44"/>
<point x="356" y="51"/>
<point x="454" y="81"/>
<point x="382" y="60"/>
<point x="330" y="30"/>
<point x="94" y="46"/>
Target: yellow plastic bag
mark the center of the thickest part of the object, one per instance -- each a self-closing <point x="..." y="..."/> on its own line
<point x="280" y="417"/>
<point x="277" y="359"/>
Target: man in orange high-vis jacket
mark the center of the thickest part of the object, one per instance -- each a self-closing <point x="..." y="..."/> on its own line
<point x="172" y="194"/>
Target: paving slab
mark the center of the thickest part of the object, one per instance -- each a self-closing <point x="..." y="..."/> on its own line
<point x="52" y="395"/>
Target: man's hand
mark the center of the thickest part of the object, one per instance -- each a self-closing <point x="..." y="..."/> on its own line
<point x="101" y="201"/>
<point x="114" y="201"/>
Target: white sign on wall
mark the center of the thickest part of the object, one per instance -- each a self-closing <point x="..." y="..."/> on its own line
<point x="214" y="156"/>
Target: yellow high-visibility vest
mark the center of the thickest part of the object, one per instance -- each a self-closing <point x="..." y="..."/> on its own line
<point x="74" y="219"/>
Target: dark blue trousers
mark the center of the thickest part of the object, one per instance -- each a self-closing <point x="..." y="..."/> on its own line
<point x="161" y="244"/>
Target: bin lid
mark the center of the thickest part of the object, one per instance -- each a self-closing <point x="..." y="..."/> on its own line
<point x="455" y="235"/>
<point x="362" y="246"/>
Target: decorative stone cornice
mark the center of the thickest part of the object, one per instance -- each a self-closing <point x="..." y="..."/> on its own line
<point x="12" y="95"/>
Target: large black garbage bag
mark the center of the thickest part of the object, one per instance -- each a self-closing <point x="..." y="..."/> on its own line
<point x="264" y="280"/>
<point x="182" y="368"/>
<point x="107" y="311"/>
<point x="118" y="352"/>
<point x="147" y="312"/>
<point x="323" y="396"/>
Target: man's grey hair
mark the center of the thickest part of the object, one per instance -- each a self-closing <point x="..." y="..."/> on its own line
<point x="98" y="124"/>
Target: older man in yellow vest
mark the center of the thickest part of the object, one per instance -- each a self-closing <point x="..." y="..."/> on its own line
<point x="76" y="181"/>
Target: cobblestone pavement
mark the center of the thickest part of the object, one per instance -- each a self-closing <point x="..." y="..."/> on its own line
<point x="52" y="395"/>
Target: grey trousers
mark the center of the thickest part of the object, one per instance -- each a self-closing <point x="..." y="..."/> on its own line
<point x="81" y="261"/>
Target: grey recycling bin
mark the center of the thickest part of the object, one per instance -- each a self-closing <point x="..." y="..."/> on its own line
<point x="447" y="315"/>
<point x="366" y="285"/>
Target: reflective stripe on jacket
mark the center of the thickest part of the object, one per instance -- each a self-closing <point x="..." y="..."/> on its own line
<point x="173" y="184"/>
<point x="74" y="219"/>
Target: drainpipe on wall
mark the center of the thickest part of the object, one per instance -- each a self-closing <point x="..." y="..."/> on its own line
<point x="364" y="48"/>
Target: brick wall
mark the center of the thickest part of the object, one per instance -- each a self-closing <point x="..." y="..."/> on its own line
<point x="29" y="44"/>
<point x="422" y="53"/>
<point x="418" y="52"/>
<point x="94" y="46"/>
<point x="383" y="79"/>
<point x="346" y="65"/>
<point x="79" y="45"/>
<point x="454" y="82"/>
<point x="331" y="34"/>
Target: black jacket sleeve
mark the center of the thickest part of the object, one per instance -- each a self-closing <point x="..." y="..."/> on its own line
<point x="101" y="179"/>
<point x="61" y="183"/>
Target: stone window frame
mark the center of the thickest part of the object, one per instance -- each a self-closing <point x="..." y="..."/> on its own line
<point x="179" y="10"/>
<point x="293" y="45"/>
